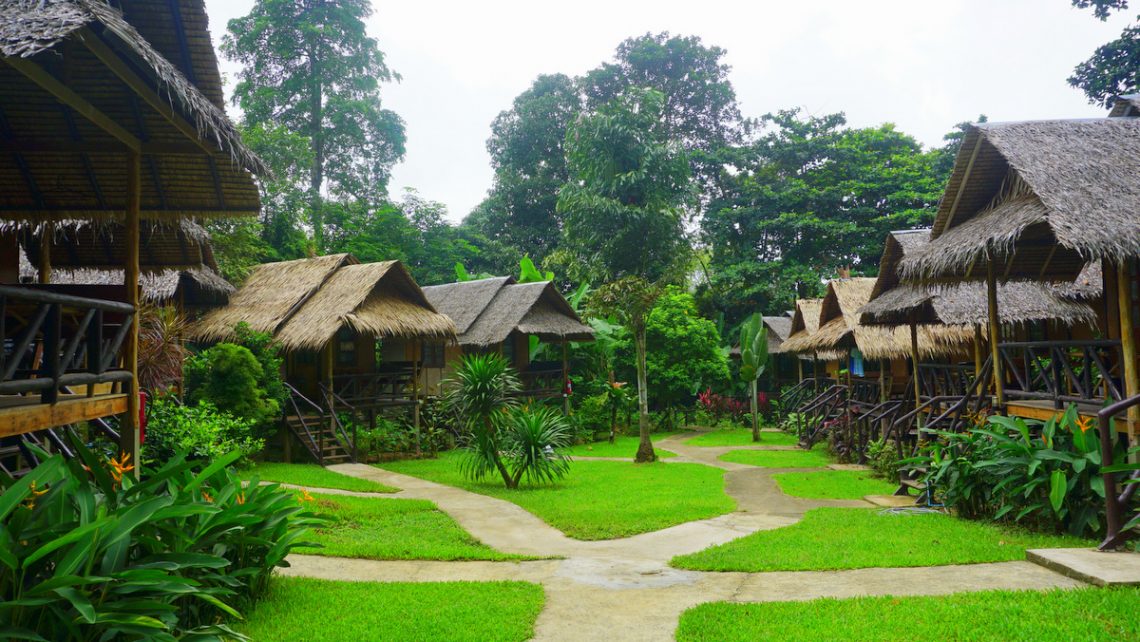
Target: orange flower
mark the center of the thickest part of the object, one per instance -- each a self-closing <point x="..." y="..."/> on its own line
<point x="30" y="502"/>
<point x="306" y="497"/>
<point x="241" y="498"/>
<point x="1084" y="423"/>
<point x="206" y="497"/>
<point x="120" y="466"/>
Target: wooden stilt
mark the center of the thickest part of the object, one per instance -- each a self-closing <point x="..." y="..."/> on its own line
<point x="129" y="426"/>
<point x="417" y="352"/>
<point x="44" y="267"/>
<point x="978" y="353"/>
<point x="799" y="368"/>
<point x="995" y="331"/>
<point x="565" y="377"/>
<point x="1128" y="341"/>
<point x="914" y="361"/>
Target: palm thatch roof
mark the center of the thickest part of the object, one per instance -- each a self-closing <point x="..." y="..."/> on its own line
<point x="779" y="329"/>
<point x="198" y="286"/>
<point x="805" y="323"/>
<point x="1126" y="106"/>
<point x="304" y="303"/>
<point x="896" y="302"/>
<point x="840" y="327"/>
<point x="1044" y="197"/>
<point x="487" y="311"/>
<point x="163" y="246"/>
<point x="83" y="86"/>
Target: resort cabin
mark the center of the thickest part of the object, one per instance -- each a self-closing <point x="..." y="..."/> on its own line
<point x="528" y="323"/>
<point x="112" y="115"/>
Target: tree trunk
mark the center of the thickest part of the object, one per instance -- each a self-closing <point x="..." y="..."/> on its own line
<point x="317" y="143"/>
<point x="507" y="479"/>
<point x="755" y="412"/>
<point x="645" y="448"/>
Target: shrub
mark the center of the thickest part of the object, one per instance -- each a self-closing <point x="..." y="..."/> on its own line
<point x="1047" y="475"/>
<point x="592" y="417"/>
<point x="533" y="440"/>
<point x="268" y="354"/>
<point x="231" y="378"/>
<point x="684" y="350"/>
<point x="882" y="456"/>
<point x="87" y="553"/>
<point x="200" y="431"/>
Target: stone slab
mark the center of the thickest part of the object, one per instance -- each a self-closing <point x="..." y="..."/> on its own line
<point x="891" y="501"/>
<point x="855" y="467"/>
<point x="1103" y="568"/>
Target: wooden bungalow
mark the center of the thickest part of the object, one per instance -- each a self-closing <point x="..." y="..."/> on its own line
<point x="340" y="322"/>
<point x="1038" y="201"/>
<point x="107" y="115"/>
<point x="499" y="315"/>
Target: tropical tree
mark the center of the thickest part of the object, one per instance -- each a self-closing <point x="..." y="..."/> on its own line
<point x="753" y="361"/>
<point x="309" y="66"/>
<point x="684" y="351"/>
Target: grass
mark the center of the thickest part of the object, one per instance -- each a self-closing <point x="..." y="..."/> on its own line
<point x="623" y="446"/>
<point x="310" y="610"/>
<point x="833" y="484"/>
<point x="393" y="529"/>
<point x="599" y="499"/>
<point x="314" y="476"/>
<point x="845" y="538"/>
<point x="741" y="437"/>
<point x="779" y="458"/>
<point x="1090" y="614"/>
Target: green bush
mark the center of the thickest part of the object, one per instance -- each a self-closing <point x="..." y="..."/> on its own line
<point x="684" y="351"/>
<point x="231" y="378"/>
<point x="87" y="553"/>
<point x="391" y="436"/>
<point x="591" y="418"/>
<point x="200" y="431"/>
<point x="882" y="457"/>
<point x="268" y="354"/>
<point x="1046" y="475"/>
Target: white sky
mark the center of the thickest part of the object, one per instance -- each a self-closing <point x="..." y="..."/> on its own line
<point x="921" y="64"/>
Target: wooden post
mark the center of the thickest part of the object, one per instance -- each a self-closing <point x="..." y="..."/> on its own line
<point x="995" y="331"/>
<point x="129" y="428"/>
<point x="417" y="353"/>
<point x="565" y="377"/>
<point x="1128" y="341"/>
<point x="978" y="354"/>
<point x="800" y="368"/>
<point x="45" y="252"/>
<point x="914" y="360"/>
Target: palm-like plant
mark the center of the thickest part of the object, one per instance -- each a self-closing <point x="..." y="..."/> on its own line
<point x="753" y="361"/>
<point x="482" y="390"/>
<point x="161" y="349"/>
<point x="533" y="441"/>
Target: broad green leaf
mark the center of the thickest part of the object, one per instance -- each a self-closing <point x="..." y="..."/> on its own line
<point x="1059" y="487"/>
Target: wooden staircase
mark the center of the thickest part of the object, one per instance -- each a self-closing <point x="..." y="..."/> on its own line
<point x="318" y="430"/>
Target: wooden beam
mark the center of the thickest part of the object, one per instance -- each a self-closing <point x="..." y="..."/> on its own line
<point x="66" y="95"/>
<point x="978" y="354"/>
<point x="914" y="360"/>
<point x="1048" y="260"/>
<point x="18" y="420"/>
<point x="26" y="146"/>
<point x="995" y="330"/>
<point x="46" y="231"/>
<point x="962" y="185"/>
<point x="129" y="433"/>
<point x="164" y="107"/>
<point x="1125" y="301"/>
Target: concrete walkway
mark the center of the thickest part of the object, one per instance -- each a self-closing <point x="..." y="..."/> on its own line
<point x="624" y="589"/>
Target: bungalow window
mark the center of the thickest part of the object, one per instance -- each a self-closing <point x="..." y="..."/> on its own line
<point x="345" y="347"/>
<point x="433" y="355"/>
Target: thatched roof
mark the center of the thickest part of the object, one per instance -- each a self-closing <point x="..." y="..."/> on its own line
<point x="163" y="246"/>
<point x="897" y="303"/>
<point x="840" y="327"/>
<point x="1126" y="106"/>
<point x="198" y="286"/>
<point x="83" y="85"/>
<point x="805" y="323"/>
<point x="304" y="303"/>
<point x="1046" y="197"/>
<point x="529" y="308"/>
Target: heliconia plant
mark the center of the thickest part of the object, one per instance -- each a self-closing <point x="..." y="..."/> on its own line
<point x="89" y="553"/>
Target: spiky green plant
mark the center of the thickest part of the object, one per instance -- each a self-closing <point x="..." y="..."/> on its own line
<point x="533" y="441"/>
<point x="482" y="390"/>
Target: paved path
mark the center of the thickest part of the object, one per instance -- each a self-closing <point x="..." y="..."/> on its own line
<point x="624" y="589"/>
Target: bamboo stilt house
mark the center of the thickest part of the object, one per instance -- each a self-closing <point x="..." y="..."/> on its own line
<point x="500" y="315"/>
<point x="333" y="315"/>
<point x="111" y="114"/>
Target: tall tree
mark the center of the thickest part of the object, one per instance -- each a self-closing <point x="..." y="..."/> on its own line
<point x="527" y="152"/>
<point x="623" y="215"/>
<point x="810" y="196"/>
<point x="1114" y="68"/>
<point x="1101" y="8"/>
<point x="310" y="66"/>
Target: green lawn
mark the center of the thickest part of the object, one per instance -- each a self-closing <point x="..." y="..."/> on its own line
<point x="844" y="538"/>
<point x="779" y="458"/>
<point x="741" y="437"/>
<point x="1086" y="614"/>
<point x="393" y="529"/>
<point x="599" y="499"/>
<point x="833" y="484"/>
<point x="623" y="446"/>
<point x="313" y="476"/>
<point x="309" y="610"/>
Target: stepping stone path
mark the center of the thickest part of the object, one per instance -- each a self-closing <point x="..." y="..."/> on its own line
<point x="624" y="589"/>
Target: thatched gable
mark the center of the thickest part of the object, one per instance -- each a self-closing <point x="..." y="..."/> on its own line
<point x="270" y="296"/>
<point x="1046" y="197"/>
<point x="805" y="323"/>
<point x="376" y="299"/>
<point x="122" y="93"/>
<point x="897" y="303"/>
<point x="163" y="246"/>
<point x="1127" y="106"/>
<point x="529" y="308"/>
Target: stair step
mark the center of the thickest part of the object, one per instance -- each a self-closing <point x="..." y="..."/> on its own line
<point x="913" y="483"/>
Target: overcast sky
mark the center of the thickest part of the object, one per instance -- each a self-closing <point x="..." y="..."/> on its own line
<point x="921" y="64"/>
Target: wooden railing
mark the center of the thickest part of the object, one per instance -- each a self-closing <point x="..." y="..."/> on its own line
<point x="1062" y="371"/>
<point x="317" y="428"/>
<point x="1116" y="501"/>
<point x="390" y="386"/>
<point x="939" y="379"/>
<point x="542" y="380"/>
<point x="58" y="341"/>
